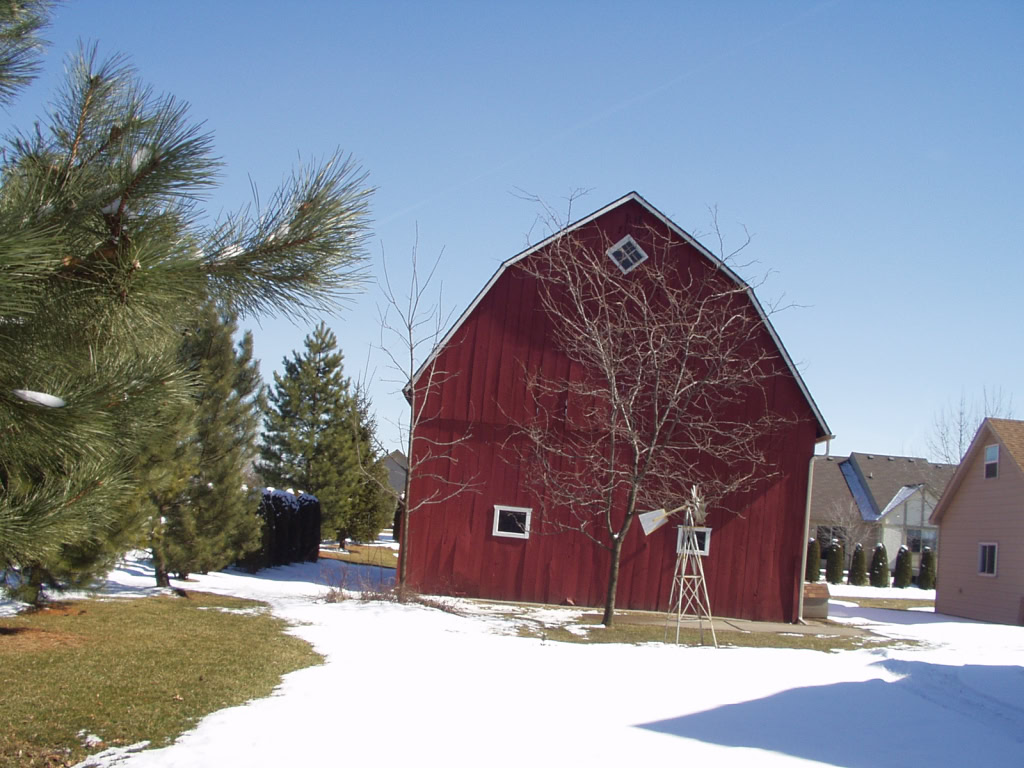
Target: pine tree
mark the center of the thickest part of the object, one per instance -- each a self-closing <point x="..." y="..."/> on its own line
<point x="210" y="519"/>
<point x="834" y="560"/>
<point x="879" y="575"/>
<point x="103" y="257"/>
<point x="904" y="575"/>
<point x="309" y="440"/>
<point x="926" y="576"/>
<point x="858" y="575"/>
<point x="813" y="561"/>
<point x="374" y="505"/>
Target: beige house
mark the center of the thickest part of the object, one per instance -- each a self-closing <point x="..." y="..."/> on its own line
<point x="981" y="518"/>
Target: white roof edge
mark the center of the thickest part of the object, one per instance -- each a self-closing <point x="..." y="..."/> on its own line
<point x="634" y="196"/>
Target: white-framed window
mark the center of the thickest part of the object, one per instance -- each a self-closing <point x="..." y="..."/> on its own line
<point x="991" y="461"/>
<point x="988" y="553"/>
<point x="703" y="539"/>
<point x="627" y="254"/>
<point x="513" y="522"/>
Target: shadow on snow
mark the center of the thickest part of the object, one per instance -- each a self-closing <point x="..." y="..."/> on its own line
<point x="945" y="715"/>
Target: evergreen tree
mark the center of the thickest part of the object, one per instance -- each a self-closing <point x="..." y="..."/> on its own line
<point x="926" y="576"/>
<point x="309" y="438"/>
<point x="904" y="575"/>
<point x="202" y="517"/>
<point x="374" y="505"/>
<point x="858" y="575"/>
<point x="813" y="561"/>
<point x="834" y="560"/>
<point x="879" y="575"/>
<point x="103" y="257"/>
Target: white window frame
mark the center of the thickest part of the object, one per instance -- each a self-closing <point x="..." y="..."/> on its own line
<point x="703" y="551"/>
<point x="627" y="240"/>
<point x="992" y="462"/>
<point x="499" y="508"/>
<point x="995" y="558"/>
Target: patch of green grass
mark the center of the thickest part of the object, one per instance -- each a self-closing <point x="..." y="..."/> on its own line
<point x="129" y="670"/>
<point x="623" y="632"/>
<point x="892" y="604"/>
<point x="360" y="554"/>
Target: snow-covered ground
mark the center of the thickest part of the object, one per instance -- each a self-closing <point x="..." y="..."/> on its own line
<point x="406" y="685"/>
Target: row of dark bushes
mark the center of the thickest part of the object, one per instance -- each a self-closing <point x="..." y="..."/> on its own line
<point x="861" y="574"/>
<point x="291" y="530"/>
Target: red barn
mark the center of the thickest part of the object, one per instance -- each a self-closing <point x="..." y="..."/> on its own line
<point x="486" y="542"/>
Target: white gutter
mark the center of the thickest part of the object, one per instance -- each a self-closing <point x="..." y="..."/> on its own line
<point x="807" y="530"/>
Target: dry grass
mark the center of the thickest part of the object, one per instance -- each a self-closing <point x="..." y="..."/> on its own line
<point x="132" y="670"/>
<point x="362" y="554"/>
<point x="624" y="632"/>
<point x="892" y="604"/>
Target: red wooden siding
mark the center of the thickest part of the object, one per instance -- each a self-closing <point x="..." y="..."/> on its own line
<point x="753" y="569"/>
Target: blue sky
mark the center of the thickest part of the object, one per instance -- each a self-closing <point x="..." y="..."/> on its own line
<point x="872" y="149"/>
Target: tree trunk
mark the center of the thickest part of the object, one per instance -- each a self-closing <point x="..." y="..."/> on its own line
<point x="163" y="578"/>
<point x="403" y="545"/>
<point x="613" y="582"/>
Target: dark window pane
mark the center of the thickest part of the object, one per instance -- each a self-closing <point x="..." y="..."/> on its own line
<point x="510" y="521"/>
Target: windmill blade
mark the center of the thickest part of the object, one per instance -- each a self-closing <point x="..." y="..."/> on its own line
<point x="652" y="521"/>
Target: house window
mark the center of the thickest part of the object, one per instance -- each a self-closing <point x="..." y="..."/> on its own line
<point x="627" y="254"/>
<point x="919" y="539"/>
<point x="513" y="522"/>
<point x="987" y="559"/>
<point x="827" y="533"/>
<point x="703" y="539"/>
<point x="991" y="461"/>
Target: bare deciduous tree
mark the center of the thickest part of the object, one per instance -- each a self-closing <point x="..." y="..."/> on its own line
<point x="667" y="388"/>
<point x="857" y="530"/>
<point x="411" y="326"/>
<point x="955" y="424"/>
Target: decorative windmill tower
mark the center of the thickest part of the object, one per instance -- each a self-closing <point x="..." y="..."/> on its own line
<point x="689" y="596"/>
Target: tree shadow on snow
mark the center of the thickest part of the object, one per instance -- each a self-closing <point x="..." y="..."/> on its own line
<point x="944" y="714"/>
<point x="331" y="573"/>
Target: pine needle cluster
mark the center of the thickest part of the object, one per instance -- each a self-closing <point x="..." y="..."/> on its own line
<point x="105" y="261"/>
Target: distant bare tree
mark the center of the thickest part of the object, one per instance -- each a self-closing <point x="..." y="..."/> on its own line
<point x="411" y="326"/>
<point x="667" y="389"/>
<point x="846" y="515"/>
<point x="955" y="424"/>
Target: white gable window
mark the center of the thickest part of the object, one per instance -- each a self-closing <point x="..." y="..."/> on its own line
<point x="991" y="461"/>
<point x="627" y="254"/>
<point x="987" y="555"/>
<point x="513" y="522"/>
<point x="703" y="536"/>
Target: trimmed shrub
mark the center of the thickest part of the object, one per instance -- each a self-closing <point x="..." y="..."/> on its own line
<point x="926" y="577"/>
<point x="813" y="561"/>
<point x="835" y="557"/>
<point x="904" y="575"/>
<point x="858" y="575"/>
<point x="879" y="574"/>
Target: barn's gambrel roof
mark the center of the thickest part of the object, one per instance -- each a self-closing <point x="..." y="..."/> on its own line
<point x="823" y="431"/>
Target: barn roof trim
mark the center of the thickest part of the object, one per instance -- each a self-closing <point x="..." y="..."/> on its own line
<point x="824" y="433"/>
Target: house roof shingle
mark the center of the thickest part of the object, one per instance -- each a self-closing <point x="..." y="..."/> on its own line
<point x="1011" y="434"/>
<point x="872" y="482"/>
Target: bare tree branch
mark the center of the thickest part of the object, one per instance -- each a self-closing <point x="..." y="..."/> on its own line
<point x="954" y="425"/>
<point x="411" y="326"/>
<point x="668" y="388"/>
